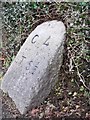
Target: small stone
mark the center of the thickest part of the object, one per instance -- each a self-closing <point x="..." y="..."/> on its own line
<point x="41" y="115"/>
<point x="74" y="94"/>
<point x="70" y="93"/>
<point x="77" y="106"/>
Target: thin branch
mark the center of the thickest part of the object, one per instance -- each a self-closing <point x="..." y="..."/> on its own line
<point x="80" y="76"/>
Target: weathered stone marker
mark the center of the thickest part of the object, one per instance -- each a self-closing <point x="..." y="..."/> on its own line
<point x="35" y="69"/>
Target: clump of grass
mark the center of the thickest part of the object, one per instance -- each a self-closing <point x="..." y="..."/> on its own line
<point x="76" y="18"/>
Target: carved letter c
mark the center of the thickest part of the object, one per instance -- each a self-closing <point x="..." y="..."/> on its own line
<point x="32" y="41"/>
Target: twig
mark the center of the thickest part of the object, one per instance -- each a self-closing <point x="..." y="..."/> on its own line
<point x="80" y="76"/>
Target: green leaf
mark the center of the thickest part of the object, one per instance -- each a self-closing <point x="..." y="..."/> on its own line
<point x="81" y="88"/>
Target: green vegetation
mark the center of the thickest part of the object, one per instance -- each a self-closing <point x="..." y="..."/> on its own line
<point x="19" y="19"/>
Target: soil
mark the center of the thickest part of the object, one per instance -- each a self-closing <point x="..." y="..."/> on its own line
<point x="58" y="105"/>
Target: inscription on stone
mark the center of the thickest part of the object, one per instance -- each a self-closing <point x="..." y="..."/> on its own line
<point x="34" y="71"/>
